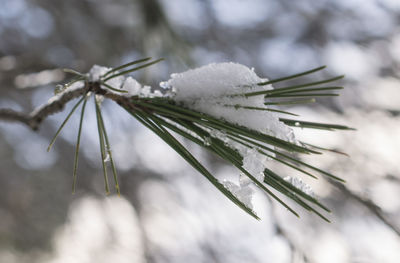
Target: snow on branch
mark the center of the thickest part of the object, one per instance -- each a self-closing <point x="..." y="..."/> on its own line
<point x="35" y="118"/>
<point x="223" y="107"/>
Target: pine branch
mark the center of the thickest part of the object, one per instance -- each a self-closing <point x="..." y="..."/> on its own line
<point x="35" y="118"/>
<point x="164" y="113"/>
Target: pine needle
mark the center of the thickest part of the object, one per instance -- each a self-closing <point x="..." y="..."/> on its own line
<point x="262" y="92"/>
<point x="126" y="65"/>
<point x="102" y="146"/>
<point x="260" y="109"/>
<point x="291" y="102"/>
<point x="325" y="149"/>
<point x="109" y="152"/>
<point x="299" y="91"/>
<point x="132" y="70"/>
<point x="292" y="76"/>
<point x="114" y="89"/>
<point x="63" y="124"/>
<point x="314" y="125"/>
<point x="184" y="153"/>
<point x="74" y="72"/>
<point x="78" y="142"/>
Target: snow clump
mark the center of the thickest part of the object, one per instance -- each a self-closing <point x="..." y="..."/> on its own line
<point x="243" y="193"/>
<point x="209" y="89"/>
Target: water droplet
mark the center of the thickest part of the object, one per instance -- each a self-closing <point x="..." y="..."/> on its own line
<point x="107" y="158"/>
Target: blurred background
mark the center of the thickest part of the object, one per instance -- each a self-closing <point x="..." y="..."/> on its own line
<point x="168" y="212"/>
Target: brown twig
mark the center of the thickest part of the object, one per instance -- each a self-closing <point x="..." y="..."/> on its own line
<point x="35" y="118"/>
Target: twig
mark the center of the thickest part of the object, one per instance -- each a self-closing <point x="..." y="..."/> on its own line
<point x="13" y="116"/>
<point x="369" y="204"/>
<point x="35" y="118"/>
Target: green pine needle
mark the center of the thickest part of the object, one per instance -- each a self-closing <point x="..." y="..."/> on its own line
<point x="263" y="92"/>
<point x="241" y="141"/>
<point x="299" y="91"/>
<point x="102" y="145"/>
<point x="78" y="142"/>
<point x="132" y="70"/>
<point x="63" y="124"/>
<point x="218" y="147"/>
<point x="109" y="152"/>
<point x="314" y="125"/>
<point x="292" y="95"/>
<point x="325" y="149"/>
<point x="292" y="76"/>
<point x="170" y="110"/>
<point x="296" y="190"/>
<point x="126" y="65"/>
<point x="185" y="154"/>
<point x="114" y="89"/>
<point x="74" y="72"/>
<point x="291" y="102"/>
<point x="237" y="106"/>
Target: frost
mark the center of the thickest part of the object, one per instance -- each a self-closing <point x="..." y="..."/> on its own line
<point x="298" y="183"/>
<point x="243" y="193"/>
